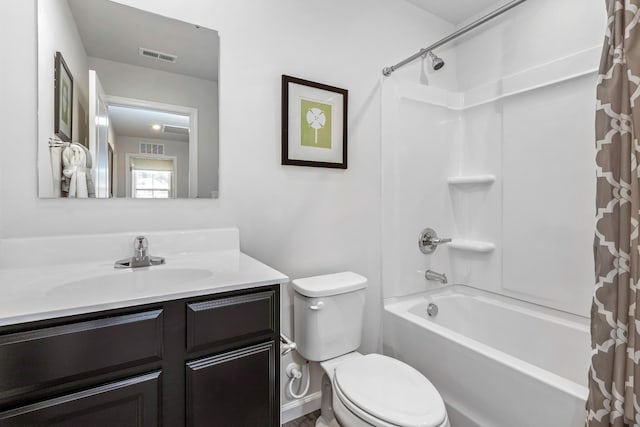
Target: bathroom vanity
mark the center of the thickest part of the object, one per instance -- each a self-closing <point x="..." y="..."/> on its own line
<point x="199" y="353"/>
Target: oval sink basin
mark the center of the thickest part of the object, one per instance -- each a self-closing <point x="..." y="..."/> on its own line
<point x="131" y="282"/>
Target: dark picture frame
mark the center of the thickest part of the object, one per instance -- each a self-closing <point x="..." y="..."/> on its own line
<point x="63" y="100"/>
<point x="314" y="124"/>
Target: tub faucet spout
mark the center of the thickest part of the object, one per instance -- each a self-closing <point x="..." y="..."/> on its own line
<point x="432" y="275"/>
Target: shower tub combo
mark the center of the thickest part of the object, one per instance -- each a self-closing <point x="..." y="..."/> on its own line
<point x="495" y="360"/>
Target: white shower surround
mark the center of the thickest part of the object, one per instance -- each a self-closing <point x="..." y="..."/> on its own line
<point x="529" y="131"/>
<point x="495" y="360"/>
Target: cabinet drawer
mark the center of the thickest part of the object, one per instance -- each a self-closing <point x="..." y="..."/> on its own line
<point x="66" y="353"/>
<point x="232" y="318"/>
<point x="236" y="388"/>
<point x="133" y="402"/>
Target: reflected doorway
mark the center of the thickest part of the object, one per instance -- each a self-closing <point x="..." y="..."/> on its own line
<point x="154" y="148"/>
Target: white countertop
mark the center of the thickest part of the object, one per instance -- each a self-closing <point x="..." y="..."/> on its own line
<point x="30" y="294"/>
<point x="48" y="291"/>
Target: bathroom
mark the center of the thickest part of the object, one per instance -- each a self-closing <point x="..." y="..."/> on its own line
<point x="307" y="221"/>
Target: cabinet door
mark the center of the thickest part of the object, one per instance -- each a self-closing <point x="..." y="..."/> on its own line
<point x="128" y="403"/>
<point x="236" y="389"/>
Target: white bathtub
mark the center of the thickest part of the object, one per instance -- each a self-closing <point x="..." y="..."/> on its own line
<point x="497" y="361"/>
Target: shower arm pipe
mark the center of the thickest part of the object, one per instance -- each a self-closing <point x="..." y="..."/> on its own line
<point x="388" y="70"/>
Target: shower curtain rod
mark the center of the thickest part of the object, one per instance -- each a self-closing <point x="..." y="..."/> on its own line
<point x="388" y="70"/>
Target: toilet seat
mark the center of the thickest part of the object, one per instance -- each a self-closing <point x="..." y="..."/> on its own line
<point x="386" y="392"/>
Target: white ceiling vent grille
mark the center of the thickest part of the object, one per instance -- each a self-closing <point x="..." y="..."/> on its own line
<point x="177" y="130"/>
<point x="146" y="148"/>
<point x="159" y="56"/>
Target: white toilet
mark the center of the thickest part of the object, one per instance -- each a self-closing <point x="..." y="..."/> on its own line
<point x="357" y="390"/>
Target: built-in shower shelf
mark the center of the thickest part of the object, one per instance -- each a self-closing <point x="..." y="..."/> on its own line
<point x="472" y="245"/>
<point x="471" y="180"/>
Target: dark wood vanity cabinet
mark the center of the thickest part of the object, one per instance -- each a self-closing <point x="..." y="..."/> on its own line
<point x="206" y="361"/>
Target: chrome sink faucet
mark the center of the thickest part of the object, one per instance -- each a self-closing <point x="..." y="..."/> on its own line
<point x="141" y="257"/>
<point x="432" y="275"/>
<point x="140" y="247"/>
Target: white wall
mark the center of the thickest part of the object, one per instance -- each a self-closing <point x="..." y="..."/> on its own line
<point x="178" y="149"/>
<point x="58" y="32"/>
<point x="131" y="81"/>
<point x="302" y="221"/>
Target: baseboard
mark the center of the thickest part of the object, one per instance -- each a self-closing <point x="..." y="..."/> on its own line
<point x="300" y="407"/>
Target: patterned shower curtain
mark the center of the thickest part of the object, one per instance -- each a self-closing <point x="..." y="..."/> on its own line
<point x="614" y="376"/>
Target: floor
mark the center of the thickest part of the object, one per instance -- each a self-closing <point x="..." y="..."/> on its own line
<point x="308" y="420"/>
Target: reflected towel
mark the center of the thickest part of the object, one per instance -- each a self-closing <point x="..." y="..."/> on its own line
<point x="74" y="164"/>
<point x="91" y="189"/>
<point x="81" y="184"/>
<point x="88" y="164"/>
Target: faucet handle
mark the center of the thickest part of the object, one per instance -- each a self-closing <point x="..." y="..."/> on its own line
<point x="140" y="242"/>
<point x="140" y="246"/>
<point x="141" y="257"/>
<point x="428" y="241"/>
<point x="438" y="241"/>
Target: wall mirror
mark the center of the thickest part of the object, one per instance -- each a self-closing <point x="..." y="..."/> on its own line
<point x="127" y="103"/>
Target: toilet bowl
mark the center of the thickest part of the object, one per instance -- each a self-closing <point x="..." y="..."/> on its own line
<point x="357" y="390"/>
<point x="376" y="390"/>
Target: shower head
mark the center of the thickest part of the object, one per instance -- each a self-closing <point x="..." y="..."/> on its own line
<point x="436" y="61"/>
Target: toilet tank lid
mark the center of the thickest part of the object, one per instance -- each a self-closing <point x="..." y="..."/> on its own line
<point x="329" y="284"/>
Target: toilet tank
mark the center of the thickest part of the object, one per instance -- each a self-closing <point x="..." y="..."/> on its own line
<point x="328" y="314"/>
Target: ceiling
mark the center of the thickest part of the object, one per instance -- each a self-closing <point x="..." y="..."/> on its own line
<point x="116" y="32"/>
<point x="457" y="11"/>
<point x="136" y="122"/>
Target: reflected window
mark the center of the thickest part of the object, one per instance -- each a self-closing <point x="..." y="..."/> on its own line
<point x="152" y="177"/>
<point x="149" y="184"/>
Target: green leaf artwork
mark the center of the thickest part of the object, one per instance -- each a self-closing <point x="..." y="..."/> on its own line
<point x="315" y="124"/>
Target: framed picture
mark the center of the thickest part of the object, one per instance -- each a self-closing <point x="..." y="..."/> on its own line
<point x="63" y="99"/>
<point x="314" y="124"/>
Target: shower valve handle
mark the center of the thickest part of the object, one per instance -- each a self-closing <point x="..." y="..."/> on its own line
<point x="428" y="241"/>
<point x="439" y="241"/>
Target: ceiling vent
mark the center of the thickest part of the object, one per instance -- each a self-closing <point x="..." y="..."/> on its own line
<point x="159" y="56"/>
<point x="178" y="130"/>
<point x="147" y="148"/>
